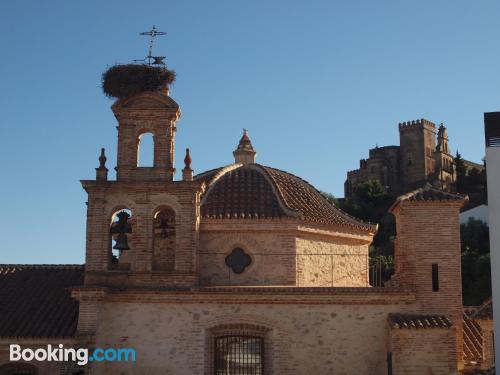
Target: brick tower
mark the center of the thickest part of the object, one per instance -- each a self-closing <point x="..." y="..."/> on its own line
<point x="142" y="228"/>
<point x="427" y="256"/>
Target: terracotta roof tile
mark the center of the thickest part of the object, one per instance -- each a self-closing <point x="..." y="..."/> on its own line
<point x="242" y="193"/>
<point x="485" y="311"/>
<point x="257" y="191"/>
<point x="35" y="300"/>
<point x="409" y="321"/>
<point x="428" y="193"/>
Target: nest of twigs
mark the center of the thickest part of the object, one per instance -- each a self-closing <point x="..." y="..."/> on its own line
<point x="122" y="81"/>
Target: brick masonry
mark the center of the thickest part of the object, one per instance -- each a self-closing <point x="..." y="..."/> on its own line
<point x="306" y="291"/>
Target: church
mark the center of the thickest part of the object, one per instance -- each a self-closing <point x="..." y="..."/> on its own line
<point x="423" y="156"/>
<point x="242" y="269"/>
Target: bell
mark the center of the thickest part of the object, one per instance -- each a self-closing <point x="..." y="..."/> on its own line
<point x="121" y="242"/>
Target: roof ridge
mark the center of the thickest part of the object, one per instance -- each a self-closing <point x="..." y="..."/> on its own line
<point x="335" y="208"/>
<point x="428" y="193"/>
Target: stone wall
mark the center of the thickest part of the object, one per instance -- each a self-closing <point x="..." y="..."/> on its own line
<point x="282" y="253"/>
<point x="272" y="254"/>
<point x="331" y="262"/>
<point x="300" y="339"/>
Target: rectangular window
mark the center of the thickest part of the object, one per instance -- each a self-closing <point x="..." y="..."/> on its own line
<point x="389" y="363"/>
<point x="435" y="277"/>
<point x="239" y="355"/>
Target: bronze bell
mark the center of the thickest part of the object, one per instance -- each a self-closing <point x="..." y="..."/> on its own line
<point x="121" y="242"/>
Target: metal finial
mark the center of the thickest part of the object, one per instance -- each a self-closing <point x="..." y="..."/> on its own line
<point x="102" y="159"/>
<point x="157" y="60"/>
<point x="187" y="160"/>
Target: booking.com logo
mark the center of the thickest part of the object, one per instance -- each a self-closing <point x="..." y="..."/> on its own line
<point x="81" y="355"/>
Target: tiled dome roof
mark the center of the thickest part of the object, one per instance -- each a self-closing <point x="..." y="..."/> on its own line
<point x="257" y="191"/>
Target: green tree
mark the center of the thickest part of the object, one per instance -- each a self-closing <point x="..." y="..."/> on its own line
<point x="476" y="268"/>
<point x="460" y="170"/>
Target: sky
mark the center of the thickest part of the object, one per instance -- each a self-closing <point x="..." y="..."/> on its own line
<point x="317" y="83"/>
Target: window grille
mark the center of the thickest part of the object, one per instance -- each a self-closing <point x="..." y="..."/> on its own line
<point x="239" y="354"/>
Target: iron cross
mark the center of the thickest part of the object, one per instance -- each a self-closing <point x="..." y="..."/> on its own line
<point x="153" y="33"/>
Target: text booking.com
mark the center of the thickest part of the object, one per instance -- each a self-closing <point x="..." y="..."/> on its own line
<point x="82" y="356"/>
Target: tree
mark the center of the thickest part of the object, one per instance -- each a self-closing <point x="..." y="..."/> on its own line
<point x="476" y="268"/>
<point x="460" y="170"/>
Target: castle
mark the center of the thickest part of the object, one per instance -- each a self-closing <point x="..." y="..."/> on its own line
<point x="245" y="269"/>
<point x="417" y="160"/>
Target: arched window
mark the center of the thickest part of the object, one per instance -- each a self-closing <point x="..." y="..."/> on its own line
<point x="120" y="230"/>
<point x="164" y="240"/>
<point x="145" y="150"/>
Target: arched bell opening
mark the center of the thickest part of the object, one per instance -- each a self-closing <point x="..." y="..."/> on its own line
<point x="119" y="239"/>
<point x="164" y="239"/>
<point x="145" y="150"/>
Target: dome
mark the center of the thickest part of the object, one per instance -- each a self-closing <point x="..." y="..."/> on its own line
<point x="254" y="191"/>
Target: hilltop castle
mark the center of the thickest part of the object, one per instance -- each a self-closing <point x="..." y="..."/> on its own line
<point x="423" y="155"/>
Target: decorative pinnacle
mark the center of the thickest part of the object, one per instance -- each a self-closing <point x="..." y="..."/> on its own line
<point x="102" y="159"/>
<point x="244" y="153"/>
<point x="245" y="142"/>
<point x="187" y="161"/>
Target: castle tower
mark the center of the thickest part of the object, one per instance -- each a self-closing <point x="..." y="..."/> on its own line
<point x="417" y="144"/>
<point x="444" y="175"/>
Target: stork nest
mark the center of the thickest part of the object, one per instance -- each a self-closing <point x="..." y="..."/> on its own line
<point x="122" y="81"/>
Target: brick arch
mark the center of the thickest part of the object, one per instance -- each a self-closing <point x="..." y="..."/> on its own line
<point x="18" y="368"/>
<point x="139" y="147"/>
<point x="165" y="226"/>
<point x="123" y="203"/>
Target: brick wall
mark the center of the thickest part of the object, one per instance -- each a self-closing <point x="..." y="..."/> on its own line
<point x="423" y="351"/>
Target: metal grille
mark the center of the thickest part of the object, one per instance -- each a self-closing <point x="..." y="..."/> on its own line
<point x="239" y="355"/>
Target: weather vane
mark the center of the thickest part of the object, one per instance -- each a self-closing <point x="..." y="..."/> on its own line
<point x="156" y="60"/>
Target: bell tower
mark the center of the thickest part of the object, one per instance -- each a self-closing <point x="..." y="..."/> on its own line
<point x="445" y="165"/>
<point x="148" y="112"/>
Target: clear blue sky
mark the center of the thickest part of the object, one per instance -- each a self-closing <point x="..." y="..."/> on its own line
<point x="317" y="83"/>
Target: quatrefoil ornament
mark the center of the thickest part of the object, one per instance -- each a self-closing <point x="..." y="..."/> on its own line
<point x="238" y="260"/>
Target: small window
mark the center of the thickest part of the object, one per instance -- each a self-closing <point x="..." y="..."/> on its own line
<point x="238" y="260"/>
<point x="239" y="354"/>
<point x="435" y="277"/>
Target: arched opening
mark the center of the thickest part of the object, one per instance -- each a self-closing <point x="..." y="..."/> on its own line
<point x="145" y="150"/>
<point x="164" y="232"/>
<point x="119" y="239"/>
